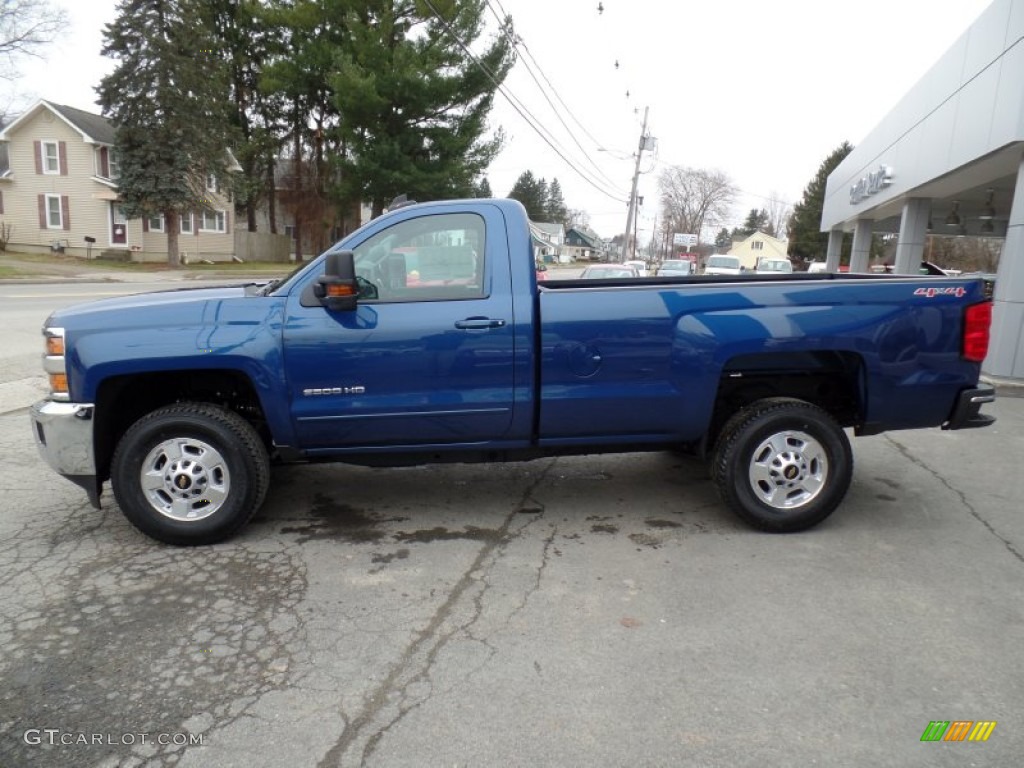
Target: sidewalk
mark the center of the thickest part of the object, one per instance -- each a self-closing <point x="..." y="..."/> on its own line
<point x="79" y="271"/>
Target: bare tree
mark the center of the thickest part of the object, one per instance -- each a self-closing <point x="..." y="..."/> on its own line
<point x="779" y="211"/>
<point x="694" y="199"/>
<point x="26" y="27"/>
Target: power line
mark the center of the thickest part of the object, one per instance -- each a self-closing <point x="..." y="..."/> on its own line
<point x="520" y="108"/>
<point x="518" y="41"/>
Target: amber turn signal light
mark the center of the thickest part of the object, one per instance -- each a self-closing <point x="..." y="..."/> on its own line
<point x="59" y="383"/>
<point x="340" y="289"/>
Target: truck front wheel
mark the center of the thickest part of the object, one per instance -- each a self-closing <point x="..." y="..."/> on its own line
<point x="782" y="465"/>
<point x="190" y="473"/>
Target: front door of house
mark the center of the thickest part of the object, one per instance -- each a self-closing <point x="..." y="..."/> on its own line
<point x="118" y="225"/>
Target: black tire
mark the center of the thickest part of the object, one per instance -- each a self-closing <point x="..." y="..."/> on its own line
<point x="208" y="473"/>
<point x="782" y="465"/>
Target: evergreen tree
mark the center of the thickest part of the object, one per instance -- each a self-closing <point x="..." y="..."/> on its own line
<point x="723" y="239"/>
<point x="246" y="41"/>
<point x="533" y="194"/>
<point x="556" y="209"/>
<point x="167" y="99"/>
<point x="414" y="105"/>
<point x="806" y="240"/>
<point x="483" y="188"/>
<point x="757" y="221"/>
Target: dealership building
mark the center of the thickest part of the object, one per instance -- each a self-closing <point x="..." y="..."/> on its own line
<point x="948" y="160"/>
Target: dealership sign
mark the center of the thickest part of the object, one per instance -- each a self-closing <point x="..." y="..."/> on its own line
<point x="871" y="184"/>
<point x="684" y="238"/>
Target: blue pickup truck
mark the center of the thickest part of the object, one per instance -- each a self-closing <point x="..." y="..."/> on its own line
<point x="425" y="337"/>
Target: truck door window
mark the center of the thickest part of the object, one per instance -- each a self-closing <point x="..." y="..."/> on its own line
<point x="425" y="259"/>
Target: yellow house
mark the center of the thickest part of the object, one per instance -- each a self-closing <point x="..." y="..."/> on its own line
<point x="758" y="246"/>
<point x="58" y="192"/>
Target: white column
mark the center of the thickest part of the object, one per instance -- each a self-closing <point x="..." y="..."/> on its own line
<point x="861" y="254"/>
<point x="913" y="231"/>
<point x="1006" y="349"/>
<point x="835" y="250"/>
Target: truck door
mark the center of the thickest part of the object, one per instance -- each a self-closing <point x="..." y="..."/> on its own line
<point x="428" y="355"/>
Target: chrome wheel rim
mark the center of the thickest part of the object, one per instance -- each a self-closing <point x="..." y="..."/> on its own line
<point x="185" y="479"/>
<point x="788" y="470"/>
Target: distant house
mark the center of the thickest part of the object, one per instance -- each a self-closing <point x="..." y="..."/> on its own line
<point x="58" y="192"/>
<point x="547" y="241"/>
<point x="298" y="208"/>
<point x="757" y="246"/>
<point x="583" y="245"/>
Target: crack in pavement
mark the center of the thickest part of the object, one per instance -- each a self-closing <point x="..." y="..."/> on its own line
<point x="415" y="664"/>
<point x="963" y="497"/>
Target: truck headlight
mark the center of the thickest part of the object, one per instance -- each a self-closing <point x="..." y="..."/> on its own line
<point x="54" y="363"/>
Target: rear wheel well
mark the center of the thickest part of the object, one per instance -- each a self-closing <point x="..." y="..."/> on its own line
<point x="833" y="381"/>
<point x="123" y="400"/>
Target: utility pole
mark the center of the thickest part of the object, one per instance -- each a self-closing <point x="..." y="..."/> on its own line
<point x="632" y="194"/>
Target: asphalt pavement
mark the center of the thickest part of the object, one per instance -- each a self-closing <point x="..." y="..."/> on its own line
<point x="591" y="611"/>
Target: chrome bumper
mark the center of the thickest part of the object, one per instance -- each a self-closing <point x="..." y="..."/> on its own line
<point x="64" y="436"/>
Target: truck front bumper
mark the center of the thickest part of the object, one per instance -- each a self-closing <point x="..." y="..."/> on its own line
<point x="967" y="410"/>
<point x="64" y="436"/>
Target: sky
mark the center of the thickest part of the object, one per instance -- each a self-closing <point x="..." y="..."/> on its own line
<point x="762" y="91"/>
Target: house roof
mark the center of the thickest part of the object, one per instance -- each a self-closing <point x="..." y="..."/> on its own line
<point x="548" y="227"/>
<point x="588" y="237"/>
<point x="95" y="126"/>
<point x="95" y="129"/>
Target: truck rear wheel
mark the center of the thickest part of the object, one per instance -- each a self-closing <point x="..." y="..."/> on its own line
<point x="190" y="473"/>
<point x="782" y="465"/>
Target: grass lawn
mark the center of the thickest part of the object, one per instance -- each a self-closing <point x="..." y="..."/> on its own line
<point x="14" y="264"/>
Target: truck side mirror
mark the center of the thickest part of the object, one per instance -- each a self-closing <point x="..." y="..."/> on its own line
<point x="337" y="289"/>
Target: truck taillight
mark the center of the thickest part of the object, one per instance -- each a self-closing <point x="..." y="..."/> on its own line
<point x="977" y="320"/>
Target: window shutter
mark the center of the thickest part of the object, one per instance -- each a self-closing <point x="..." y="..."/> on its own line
<point x="197" y="222"/>
<point x="65" y="213"/>
<point x="1" y="201"/>
<point x="227" y="222"/>
<point x="38" y="148"/>
<point x="104" y="162"/>
<point x="62" y="154"/>
<point x="42" y="211"/>
<point x="145" y="223"/>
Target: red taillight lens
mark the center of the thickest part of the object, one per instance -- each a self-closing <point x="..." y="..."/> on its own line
<point x="977" y="320"/>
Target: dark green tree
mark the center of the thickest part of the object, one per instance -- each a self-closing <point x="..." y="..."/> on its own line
<point x="806" y="240"/>
<point x="414" y="103"/>
<point x="310" y="34"/>
<point x="246" y="42"/>
<point x="757" y="221"/>
<point x="533" y="194"/>
<point x="483" y="188"/>
<point x="556" y="209"/>
<point x="723" y="239"/>
<point x="167" y="98"/>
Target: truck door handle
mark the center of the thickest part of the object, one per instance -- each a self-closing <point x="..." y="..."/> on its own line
<point x="479" y="323"/>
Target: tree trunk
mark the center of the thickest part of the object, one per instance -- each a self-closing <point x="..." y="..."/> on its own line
<point x="271" y="193"/>
<point x="171" y="227"/>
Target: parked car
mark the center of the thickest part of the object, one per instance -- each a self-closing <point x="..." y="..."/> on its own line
<point x="600" y="271"/>
<point x="640" y="266"/>
<point x="774" y="267"/>
<point x="675" y="268"/>
<point x="816" y="266"/>
<point x="723" y="265"/>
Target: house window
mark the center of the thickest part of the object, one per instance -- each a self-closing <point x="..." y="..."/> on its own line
<point x="156" y="223"/>
<point x="5" y="160"/>
<point x="757" y="245"/>
<point x="54" y="216"/>
<point x="186" y="223"/>
<point x="213" y="221"/>
<point x="113" y="164"/>
<point x="50" y="151"/>
<point x="289" y="230"/>
<point x="211" y="183"/>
